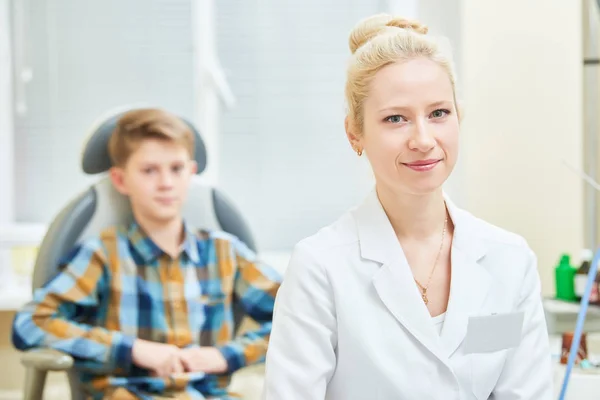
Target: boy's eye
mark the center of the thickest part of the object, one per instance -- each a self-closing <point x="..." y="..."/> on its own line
<point x="149" y="170"/>
<point x="440" y="113"/>
<point x="177" y="168"/>
<point x="395" y="119"/>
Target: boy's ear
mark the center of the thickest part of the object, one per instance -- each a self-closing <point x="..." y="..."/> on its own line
<point x="117" y="178"/>
<point x="193" y="167"/>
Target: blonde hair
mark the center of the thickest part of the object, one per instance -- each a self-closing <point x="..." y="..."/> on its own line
<point x="381" y="40"/>
<point x="138" y="125"/>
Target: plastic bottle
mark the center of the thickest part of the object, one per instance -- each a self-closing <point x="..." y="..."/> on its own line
<point x="595" y="294"/>
<point x="565" y="279"/>
<point x="581" y="276"/>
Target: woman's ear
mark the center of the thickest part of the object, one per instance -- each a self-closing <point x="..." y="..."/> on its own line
<point x="352" y="135"/>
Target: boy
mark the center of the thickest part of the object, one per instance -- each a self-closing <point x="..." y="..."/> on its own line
<point x="145" y="310"/>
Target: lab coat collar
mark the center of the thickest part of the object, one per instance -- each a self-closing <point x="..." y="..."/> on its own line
<point x="373" y="223"/>
<point x="395" y="284"/>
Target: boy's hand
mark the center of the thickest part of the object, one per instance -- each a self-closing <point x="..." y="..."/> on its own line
<point x="162" y="359"/>
<point x="205" y="359"/>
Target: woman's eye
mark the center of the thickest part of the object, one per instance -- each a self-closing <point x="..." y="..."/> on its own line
<point x="395" y="119"/>
<point x="440" y="113"/>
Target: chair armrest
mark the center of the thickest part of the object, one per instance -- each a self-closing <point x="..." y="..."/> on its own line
<point x="47" y="360"/>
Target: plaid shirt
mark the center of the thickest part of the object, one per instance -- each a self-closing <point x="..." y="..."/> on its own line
<point x="122" y="286"/>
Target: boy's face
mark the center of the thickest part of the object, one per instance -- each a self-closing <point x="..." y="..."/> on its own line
<point x="156" y="178"/>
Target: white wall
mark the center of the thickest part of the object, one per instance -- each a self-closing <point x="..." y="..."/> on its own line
<point x="409" y="9"/>
<point x="6" y="116"/>
<point x="522" y="74"/>
<point x="211" y="88"/>
<point x="87" y="58"/>
<point x="284" y="157"/>
<point x="6" y="130"/>
<point x="591" y="39"/>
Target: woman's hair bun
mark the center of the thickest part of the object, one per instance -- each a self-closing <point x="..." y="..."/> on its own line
<point x="370" y="27"/>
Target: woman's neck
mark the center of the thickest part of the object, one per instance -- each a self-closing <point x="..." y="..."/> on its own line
<point x="414" y="216"/>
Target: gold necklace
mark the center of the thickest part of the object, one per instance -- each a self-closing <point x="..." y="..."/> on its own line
<point x="425" y="287"/>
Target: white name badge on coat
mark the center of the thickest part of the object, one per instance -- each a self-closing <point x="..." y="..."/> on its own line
<point x="495" y="332"/>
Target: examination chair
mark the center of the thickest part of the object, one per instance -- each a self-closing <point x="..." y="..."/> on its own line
<point x="101" y="206"/>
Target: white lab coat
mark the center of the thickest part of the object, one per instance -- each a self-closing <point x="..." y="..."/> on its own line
<point x="350" y="324"/>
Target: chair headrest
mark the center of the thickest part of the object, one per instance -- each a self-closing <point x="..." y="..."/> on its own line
<point x="96" y="159"/>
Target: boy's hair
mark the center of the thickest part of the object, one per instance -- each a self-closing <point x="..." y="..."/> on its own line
<point x="149" y="123"/>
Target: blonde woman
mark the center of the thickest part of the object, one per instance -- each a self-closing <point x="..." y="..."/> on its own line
<point x="408" y="297"/>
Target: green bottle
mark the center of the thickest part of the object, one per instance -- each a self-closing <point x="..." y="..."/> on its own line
<point x="565" y="279"/>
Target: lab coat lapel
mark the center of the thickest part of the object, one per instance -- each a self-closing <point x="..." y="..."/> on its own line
<point x="470" y="281"/>
<point x="394" y="282"/>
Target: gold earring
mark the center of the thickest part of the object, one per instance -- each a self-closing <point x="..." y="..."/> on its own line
<point x="359" y="152"/>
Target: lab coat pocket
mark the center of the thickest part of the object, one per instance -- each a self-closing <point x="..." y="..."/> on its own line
<point x="488" y="340"/>
<point x="494" y="332"/>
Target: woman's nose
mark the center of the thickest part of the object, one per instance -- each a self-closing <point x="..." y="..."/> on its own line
<point x="421" y="139"/>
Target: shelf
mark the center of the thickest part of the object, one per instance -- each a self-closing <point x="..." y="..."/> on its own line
<point x="21" y="234"/>
<point x="14" y="299"/>
<point x="566" y="307"/>
<point x="561" y="316"/>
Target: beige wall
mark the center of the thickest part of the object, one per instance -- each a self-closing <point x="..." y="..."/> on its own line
<point x="591" y="25"/>
<point x="522" y="80"/>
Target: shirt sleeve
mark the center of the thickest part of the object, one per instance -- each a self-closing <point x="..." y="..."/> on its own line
<point x="58" y="315"/>
<point x="255" y="286"/>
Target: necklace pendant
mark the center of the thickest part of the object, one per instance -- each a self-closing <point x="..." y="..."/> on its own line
<point x="424" y="296"/>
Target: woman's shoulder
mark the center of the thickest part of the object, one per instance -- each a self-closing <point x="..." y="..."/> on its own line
<point x="476" y="229"/>
<point x="338" y="233"/>
<point x="331" y="238"/>
<point x="502" y="251"/>
<point x="494" y="234"/>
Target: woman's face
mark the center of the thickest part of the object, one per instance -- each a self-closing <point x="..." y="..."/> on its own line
<point x="410" y="132"/>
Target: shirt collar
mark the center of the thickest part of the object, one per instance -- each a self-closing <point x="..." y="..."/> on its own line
<point x="190" y="243"/>
<point x="150" y="251"/>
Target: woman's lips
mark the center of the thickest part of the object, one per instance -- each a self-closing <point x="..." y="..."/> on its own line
<point x="423" y="165"/>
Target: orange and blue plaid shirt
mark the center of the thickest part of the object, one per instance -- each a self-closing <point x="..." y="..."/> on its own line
<point x="122" y="286"/>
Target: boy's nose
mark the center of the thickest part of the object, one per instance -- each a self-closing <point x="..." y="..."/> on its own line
<point x="166" y="180"/>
